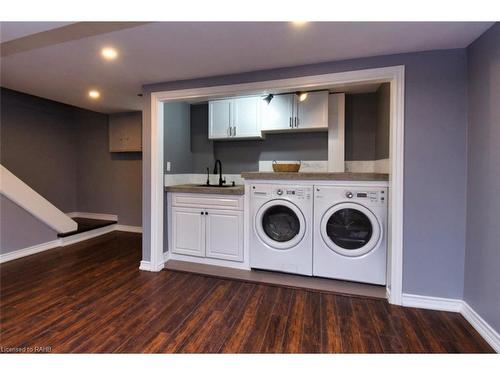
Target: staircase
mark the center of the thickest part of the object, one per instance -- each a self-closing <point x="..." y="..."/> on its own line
<point x="86" y="225"/>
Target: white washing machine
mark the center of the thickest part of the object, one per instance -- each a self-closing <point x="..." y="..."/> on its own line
<point x="350" y="241"/>
<point x="281" y="228"/>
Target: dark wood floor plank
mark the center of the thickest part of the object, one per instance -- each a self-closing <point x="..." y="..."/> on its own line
<point x="91" y="297"/>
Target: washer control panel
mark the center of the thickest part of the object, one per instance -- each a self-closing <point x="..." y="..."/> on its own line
<point x="289" y="192"/>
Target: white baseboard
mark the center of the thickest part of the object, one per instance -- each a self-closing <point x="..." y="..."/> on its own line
<point x="432" y="303"/>
<point x="66" y="241"/>
<point x="128" y="228"/>
<point x="145" y="265"/>
<point x="91" y="215"/>
<point x="491" y="336"/>
<point x="27" y="251"/>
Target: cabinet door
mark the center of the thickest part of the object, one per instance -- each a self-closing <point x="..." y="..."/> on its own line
<point x="278" y="114"/>
<point x="188" y="231"/>
<point x="224" y="235"/>
<point x="312" y="113"/>
<point x="219" y="119"/>
<point x="246" y="117"/>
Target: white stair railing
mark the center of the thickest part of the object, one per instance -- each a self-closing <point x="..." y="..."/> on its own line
<point x="21" y="194"/>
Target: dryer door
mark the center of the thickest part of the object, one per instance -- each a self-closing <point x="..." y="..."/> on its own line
<point x="280" y="224"/>
<point x="350" y="229"/>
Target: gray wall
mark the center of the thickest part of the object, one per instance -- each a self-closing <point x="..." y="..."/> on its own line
<point x="106" y="182"/>
<point x="177" y="137"/>
<point x="38" y="145"/>
<point x="435" y="135"/>
<point x="19" y="229"/>
<point x="482" y="256"/>
<point x="62" y="152"/>
<point x="360" y="126"/>
<point x="201" y="147"/>
<point x="244" y="156"/>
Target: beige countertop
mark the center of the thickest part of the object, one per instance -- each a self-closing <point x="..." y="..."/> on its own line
<point x="195" y="188"/>
<point x="346" y="176"/>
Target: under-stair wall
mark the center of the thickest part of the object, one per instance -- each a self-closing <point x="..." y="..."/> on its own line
<point x="61" y="152"/>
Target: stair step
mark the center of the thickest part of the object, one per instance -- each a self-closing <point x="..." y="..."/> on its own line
<point x="85" y="225"/>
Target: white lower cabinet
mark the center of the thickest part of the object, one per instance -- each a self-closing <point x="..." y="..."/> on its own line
<point x="188" y="231"/>
<point x="208" y="232"/>
<point x="224" y="235"/>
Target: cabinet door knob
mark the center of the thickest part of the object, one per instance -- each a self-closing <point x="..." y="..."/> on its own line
<point x="206" y="213"/>
<point x="201" y="213"/>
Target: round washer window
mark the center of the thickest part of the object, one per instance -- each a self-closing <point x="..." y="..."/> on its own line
<point x="349" y="228"/>
<point x="280" y="223"/>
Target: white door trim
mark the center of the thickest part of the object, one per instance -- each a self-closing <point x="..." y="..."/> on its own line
<point x="394" y="75"/>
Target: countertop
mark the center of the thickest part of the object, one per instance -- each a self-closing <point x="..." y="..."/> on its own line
<point x="346" y="176"/>
<point x="195" y="188"/>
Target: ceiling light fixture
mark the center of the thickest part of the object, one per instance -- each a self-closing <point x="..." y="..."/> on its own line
<point x="302" y="96"/>
<point x="269" y="98"/>
<point x="94" y="94"/>
<point x="109" y="53"/>
<point x="298" y="23"/>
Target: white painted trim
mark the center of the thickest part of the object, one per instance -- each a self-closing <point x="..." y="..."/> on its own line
<point x="24" y="196"/>
<point x="91" y="215"/>
<point x="491" y="336"/>
<point x="394" y="74"/>
<point x="21" y="253"/>
<point x="128" y="228"/>
<point x="65" y="241"/>
<point x="145" y="265"/>
<point x="432" y="303"/>
<point x="336" y="132"/>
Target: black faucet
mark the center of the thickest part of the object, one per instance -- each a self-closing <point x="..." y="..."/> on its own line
<point x="221" y="181"/>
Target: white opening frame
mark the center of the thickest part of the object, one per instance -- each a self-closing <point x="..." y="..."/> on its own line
<point x="395" y="75"/>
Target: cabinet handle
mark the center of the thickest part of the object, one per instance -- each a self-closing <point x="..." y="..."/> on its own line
<point x="291" y="125"/>
<point x="234" y="131"/>
<point x="296" y="122"/>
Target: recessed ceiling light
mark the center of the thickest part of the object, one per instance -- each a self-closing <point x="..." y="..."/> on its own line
<point x="109" y="53"/>
<point x="302" y="96"/>
<point x="94" y="94"/>
<point x="298" y="23"/>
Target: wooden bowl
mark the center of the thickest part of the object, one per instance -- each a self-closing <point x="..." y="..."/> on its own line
<point x="285" y="167"/>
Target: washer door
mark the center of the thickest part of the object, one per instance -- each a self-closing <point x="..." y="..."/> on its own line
<point x="350" y="229"/>
<point x="280" y="224"/>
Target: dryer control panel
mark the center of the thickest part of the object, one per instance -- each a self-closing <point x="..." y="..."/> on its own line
<point x="363" y="195"/>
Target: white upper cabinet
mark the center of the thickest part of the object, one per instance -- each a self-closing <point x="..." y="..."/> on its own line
<point x="236" y="118"/>
<point x="312" y="112"/>
<point x="278" y="114"/>
<point x="219" y="118"/>
<point x="286" y="112"/>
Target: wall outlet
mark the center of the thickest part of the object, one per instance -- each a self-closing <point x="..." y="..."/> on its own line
<point x="168" y="166"/>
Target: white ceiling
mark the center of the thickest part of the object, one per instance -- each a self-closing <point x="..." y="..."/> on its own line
<point x="169" y="51"/>
<point x="15" y="30"/>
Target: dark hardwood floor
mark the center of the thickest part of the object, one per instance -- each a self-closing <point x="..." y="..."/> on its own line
<point x="91" y="297"/>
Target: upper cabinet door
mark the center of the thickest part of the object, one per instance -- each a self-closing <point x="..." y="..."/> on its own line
<point x="278" y="114"/>
<point x="246" y="117"/>
<point x="219" y="119"/>
<point x="312" y="112"/>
